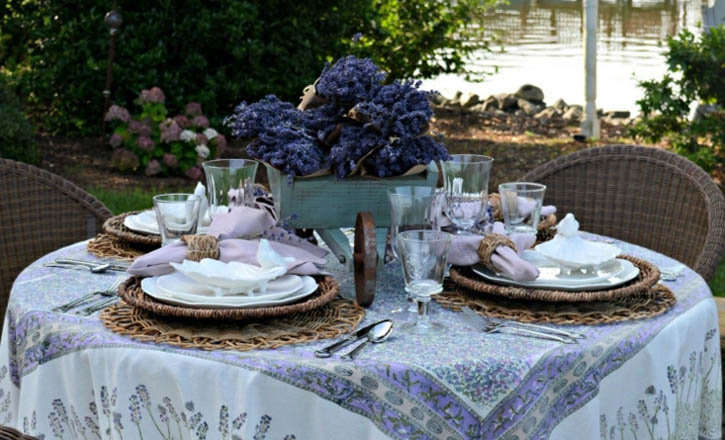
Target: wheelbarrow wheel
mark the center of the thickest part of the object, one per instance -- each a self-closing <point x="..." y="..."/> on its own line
<point x="365" y="258"/>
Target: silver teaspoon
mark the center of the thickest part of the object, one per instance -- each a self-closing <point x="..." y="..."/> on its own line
<point x="377" y="334"/>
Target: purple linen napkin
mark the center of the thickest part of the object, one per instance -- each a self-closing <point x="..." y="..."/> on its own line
<point x="241" y="221"/>
<point x="244" y="251"/>
<point x="464" y="252"/>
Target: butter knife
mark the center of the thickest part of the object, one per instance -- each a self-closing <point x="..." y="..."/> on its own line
<point x="348" y="339"/>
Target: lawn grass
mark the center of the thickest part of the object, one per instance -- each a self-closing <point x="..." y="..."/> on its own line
<point x="124" y="200"/>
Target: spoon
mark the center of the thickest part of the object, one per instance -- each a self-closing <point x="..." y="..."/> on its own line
<point x="376" y="335"/>
<point x="98" y="268"/>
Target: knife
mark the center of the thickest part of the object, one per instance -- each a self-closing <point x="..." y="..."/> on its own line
<point x="348" y="339"/>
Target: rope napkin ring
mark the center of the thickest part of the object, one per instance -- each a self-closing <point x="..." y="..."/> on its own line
<point x="201" y="246"/>
<point x="488" y="246"/>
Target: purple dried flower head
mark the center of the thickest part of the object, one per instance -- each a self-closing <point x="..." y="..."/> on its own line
<point x="193" y="173"/>
<point x="201" y="139"/>
<point x="354" y="143"/>
<point x="170" y="160"/>
<point x="138" y="127"/>
<point x="249" y="120"/>
<point x="117" y="113"/>
<point x="349" y="81"/>
<point x="290" y="150"/>
<point x="152" y="169"/>
<point x="124" y="160"/>
<point x="200" y="121"/>
<point x="404" y="153"/>
<point x="116" y="140"/>
<point x="145" y="143"/>
<point x="397" y="109"/>
<point x="153" y="95"/>
<point x="193" y="109"/>
<point x="170" y="131"/>
<point x="182" y="121"/>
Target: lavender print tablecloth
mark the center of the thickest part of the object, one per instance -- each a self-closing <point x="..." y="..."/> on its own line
<point x="63" y="376"/>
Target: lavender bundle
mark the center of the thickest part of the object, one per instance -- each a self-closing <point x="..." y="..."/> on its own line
<point x="363" y="126"/>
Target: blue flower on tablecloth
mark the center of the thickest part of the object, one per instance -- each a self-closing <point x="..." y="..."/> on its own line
<point x="117" y="425"/>
<point x="262" y="427"/>
<point x="239" y="421"/>
<point x="135" y="408"/>
<point x="201" y="431"/>
<point x="224" y="420"/>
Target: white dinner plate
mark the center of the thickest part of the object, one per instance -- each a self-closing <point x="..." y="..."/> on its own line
<point x="609" y="275"/>
<point x="150" y="287"/>
<point x="145" y="222"/>
<point x="177" y="283"/>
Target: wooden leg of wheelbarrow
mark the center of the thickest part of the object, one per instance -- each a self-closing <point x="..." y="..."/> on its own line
<point x="365" y="259"/>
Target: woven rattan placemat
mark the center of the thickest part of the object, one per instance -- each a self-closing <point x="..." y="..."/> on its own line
<point x="338" y="317"/>
<point x="648" y="276"/>
<point x="114" y="227"/>
<point x="130" y="291"/>
<point x="651" y="302"/>
<point x="108" y="246"/>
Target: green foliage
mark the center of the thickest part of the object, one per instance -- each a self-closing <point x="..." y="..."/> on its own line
<point x="216" y="53"/>
<point x="717" y="285"/>
<point x="17" y="139"/>
<point x="120" y="200"/>
<point x="697" y="69"/>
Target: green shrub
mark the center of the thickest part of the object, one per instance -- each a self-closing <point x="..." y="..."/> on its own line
<point x="215" y="53"/>
<point x="697" y="74"/>
<point x="16" y="134"/>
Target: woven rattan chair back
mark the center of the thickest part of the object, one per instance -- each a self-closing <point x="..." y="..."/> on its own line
<point x="40" y="212"/>
<point x="643" y="195"/>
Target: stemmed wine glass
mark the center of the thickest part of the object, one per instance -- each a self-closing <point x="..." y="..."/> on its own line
<point x="423" y="255"/>
<point x="465" y="179"/>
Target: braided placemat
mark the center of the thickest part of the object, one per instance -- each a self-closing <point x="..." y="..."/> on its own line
<point x="114" y="227"/>
<point x="130" y="291"/>
<point x="648" y="276"/>
<point x="108" y="246"/>
<point x="655" y="301"/>
<point x="338" y="317"/>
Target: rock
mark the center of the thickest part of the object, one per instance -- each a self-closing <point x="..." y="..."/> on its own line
<point x="617" y="114"/>
<point x="530" y="108"/>
<point x="704" y="110"/>
<point x="507" y="101"/>
<point x="548" y="113"/>
<point x="530" y="93"/>
<point x="469" y="100"/>
<point x="573" y="113"/>
<point x="519" y="112"/>
<point x="500" y="113"/>
<point x="436" y="98"/>
<point x="457" y="96"/>
<point x="600" y="112"/>
<point x="490" y="104"/>
<point x="479" y="108"/>
<point x="560" y="104"/>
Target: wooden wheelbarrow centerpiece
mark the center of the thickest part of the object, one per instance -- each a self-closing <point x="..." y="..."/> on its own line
<point x="352" y="138"/>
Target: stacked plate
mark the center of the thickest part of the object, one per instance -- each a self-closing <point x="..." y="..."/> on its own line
<point x="145" y="222"/>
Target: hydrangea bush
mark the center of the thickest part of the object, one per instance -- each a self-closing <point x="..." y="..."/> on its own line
<point x="161" y="145"/>
<point x="360" y="125"/>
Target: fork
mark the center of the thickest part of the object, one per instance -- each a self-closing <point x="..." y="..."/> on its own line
<point x="85" y="298"/>
<point x="533" y="330"/>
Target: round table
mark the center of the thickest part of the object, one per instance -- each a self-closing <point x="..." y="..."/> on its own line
<point x="65" y="376"/>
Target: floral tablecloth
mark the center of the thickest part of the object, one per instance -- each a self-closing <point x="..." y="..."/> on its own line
<point x="64" y="376"/>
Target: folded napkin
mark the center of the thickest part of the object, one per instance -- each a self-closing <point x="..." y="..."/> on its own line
<point x="238" y="232"/>
<point x="505" y="260"/>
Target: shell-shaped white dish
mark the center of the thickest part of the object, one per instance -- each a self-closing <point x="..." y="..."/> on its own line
<point x="232" y="276"/>
<point x="574" y="252"/>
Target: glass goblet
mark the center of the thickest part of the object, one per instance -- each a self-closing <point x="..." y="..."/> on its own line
<point x="176" y="215"/>
<point x="229" y="183"/>
<point x="465" y="179"/>
<point x="423" y="255"/>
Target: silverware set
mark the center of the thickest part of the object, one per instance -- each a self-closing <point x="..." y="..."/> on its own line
<point x="92" y="266"/>
<point x="492" y="325"/>
<point x="93" y="301"/>
<point x="374" y="333"/>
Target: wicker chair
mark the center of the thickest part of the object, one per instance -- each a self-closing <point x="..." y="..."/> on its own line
<point x="40" y="212"/>
<point x="643" y="195"/>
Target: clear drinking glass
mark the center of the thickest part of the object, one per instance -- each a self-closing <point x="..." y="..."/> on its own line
<point x="465" y="179"/>
<point x="521" y="205"/>
<point x="423" y="255"/>
<point x="177" y="215"/>
<point x="229" y="183"/>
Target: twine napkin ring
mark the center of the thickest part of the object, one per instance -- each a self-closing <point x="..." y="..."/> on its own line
<point x="488" y="246"/>
<point x="201" y="246"/>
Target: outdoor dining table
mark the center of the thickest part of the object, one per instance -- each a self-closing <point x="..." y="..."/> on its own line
<point x="68" y="376"/>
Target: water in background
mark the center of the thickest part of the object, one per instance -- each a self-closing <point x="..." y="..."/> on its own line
<point x="542" y="45"/>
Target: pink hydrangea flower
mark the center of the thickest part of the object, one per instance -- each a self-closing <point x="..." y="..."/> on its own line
<point x="153" y="168"/>
<point x="220" y="142"/>
<point x="183" y="121"/>
<point x="145" y="143"/>
<point x="116" y="140"/>
<point x="193" y="109"/>
<point x="124" y="160"/>
<point x="170" y="131"/>
<point x="193" y="173"/>
<point x="153" y="95"/>
<point x="170" y="160"/>
<point x="116" y="112"/>
<point x="201" y="139"/>
<point x="139" y="128"/>
<point x="200" y="121"/>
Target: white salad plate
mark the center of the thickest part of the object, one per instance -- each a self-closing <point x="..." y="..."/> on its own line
<point x="552" y="276"/>
<point x="145" y="222"/>
<point x="178" y="283"/>
<point x="151" y="287"/>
